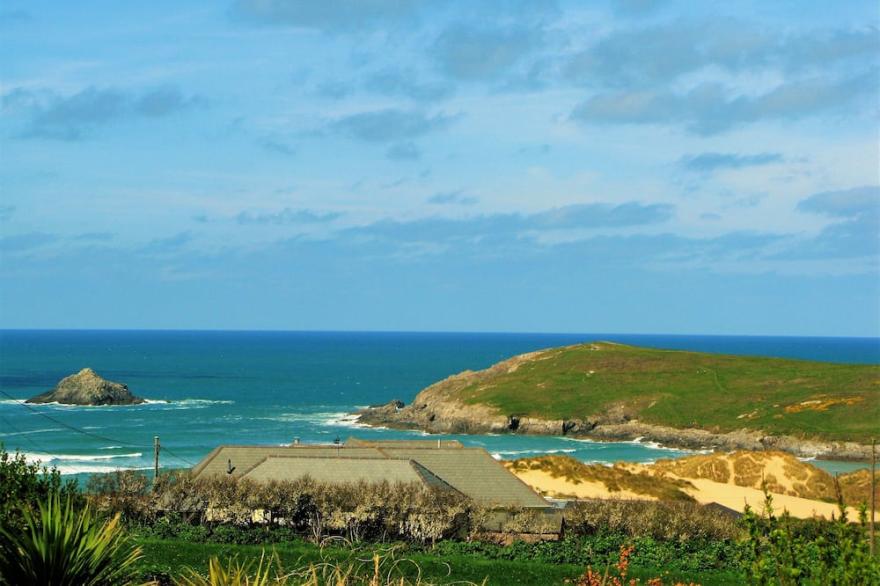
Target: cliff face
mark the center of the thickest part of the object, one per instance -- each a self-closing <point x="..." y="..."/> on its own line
<point x="453" y="406"/>
<point x="87" y="388"/>
<point x="439" y="415"/>
<point x="439" y="408"/>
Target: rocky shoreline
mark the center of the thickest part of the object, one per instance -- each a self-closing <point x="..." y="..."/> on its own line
<point x="441" y="415"/>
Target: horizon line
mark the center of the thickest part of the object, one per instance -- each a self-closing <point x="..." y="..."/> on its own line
<point x="436" y="332"/>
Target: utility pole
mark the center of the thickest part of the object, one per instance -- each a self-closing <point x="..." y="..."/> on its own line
<point x="873" y="489"/>
<point x="155" y="458"/>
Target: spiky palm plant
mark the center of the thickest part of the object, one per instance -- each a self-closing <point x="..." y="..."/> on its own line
<point x="381" y="570"/>
<point x="66" y="546"/>
<point x="235" y="573"/>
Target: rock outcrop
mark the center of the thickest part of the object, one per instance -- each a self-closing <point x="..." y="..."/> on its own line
<point x="448" y="416"/>
<point x="87" y="388"/>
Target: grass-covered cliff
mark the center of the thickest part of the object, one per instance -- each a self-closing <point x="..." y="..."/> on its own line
<point x="614" y="391"/>
<point x="689" y="389"/>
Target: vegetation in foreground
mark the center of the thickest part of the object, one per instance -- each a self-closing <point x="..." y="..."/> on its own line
<point x="66" y="544"/>
<point x="683" y="389"/>
<point x="608" y="543"/>
<point x="165" y="558"/>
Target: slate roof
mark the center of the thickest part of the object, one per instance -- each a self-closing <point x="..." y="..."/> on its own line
<point x="723" y="510"/>
<point x="471" y="471"/>
<point x="475" y="473"/>
<point x="244" y="458"/>
<point x="324" y="469"/>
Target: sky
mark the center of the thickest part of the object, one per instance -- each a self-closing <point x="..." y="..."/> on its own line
<point x="626" y="166"/>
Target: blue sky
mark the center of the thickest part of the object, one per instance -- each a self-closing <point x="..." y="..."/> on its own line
<point x="619" y="166"/>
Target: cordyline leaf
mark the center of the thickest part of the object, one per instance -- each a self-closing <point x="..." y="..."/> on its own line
<point x="63" y="545"/>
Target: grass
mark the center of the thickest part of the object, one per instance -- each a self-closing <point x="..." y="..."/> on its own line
<point x="685" y="389"/>
<point x="172" y="557"/>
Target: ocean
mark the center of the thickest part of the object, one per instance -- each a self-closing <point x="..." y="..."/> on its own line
<point x="211" y="388"/>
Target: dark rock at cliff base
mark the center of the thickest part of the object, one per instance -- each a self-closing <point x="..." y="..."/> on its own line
<point x="87" y="388"/>
<point x="388" y="408"/>
<point x="394" y="405"/>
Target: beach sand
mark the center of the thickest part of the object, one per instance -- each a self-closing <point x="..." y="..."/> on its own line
<point x="704" y="490"/>
<point x="736" y="497"/>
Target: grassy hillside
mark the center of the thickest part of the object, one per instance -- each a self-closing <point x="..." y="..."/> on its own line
<point x="689" y="389"/>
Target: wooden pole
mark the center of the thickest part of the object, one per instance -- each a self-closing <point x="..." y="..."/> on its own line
<point x="155" y="458"/>
<point x="873" y="489"/>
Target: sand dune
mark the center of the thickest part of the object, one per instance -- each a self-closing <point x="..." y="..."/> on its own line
<point x="733" y="480"/>
<point x="736" y="497"/>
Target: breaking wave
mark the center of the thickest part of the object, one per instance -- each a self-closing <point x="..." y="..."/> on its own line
<point x="500" y="454"/>
<point x="88" y="463"/>
<point x="30" y="431"/>
<point x="48" y="458"/>
<point x="321" y="418"/>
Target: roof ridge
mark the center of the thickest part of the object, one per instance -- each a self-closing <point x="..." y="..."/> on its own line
<point x="205" y="461"/>
<point x="251" y="469"/>
<point x="422" y="471"/>
<point x="329" y="457"/>
<point x="520" y="480"/>
<point x="294" y="446"/>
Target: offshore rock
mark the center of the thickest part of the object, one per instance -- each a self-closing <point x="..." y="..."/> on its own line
<point x="87" y="388"/>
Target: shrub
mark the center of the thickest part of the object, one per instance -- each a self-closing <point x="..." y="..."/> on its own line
<point x="780" y="550"/>
<point x="23" y="485"/>
<point x="122" y="491"/>
<point x="356" y="511"/>
<point x="677" y="521"/>
<point x="616" y="574"/>
<point x="66" y="545"/>
<point x="601" y="549"/>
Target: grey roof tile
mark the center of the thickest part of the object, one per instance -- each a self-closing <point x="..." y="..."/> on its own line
<point x="471" y="471"/>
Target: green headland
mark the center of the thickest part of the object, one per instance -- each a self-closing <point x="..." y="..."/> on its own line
<point x="611" y="391"/>
<point x="683" y="389"/>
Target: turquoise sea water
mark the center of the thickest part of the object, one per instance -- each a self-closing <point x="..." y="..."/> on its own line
<point x="272" y="387"/>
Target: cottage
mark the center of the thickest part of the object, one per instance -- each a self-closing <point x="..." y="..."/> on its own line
<point x="446" y="464"/>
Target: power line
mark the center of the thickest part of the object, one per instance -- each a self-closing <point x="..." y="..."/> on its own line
<point x="24" y="435"/>
<point x="88" y="433"/>
<point x="66" y="425"/>
<point x="181" y="458"/>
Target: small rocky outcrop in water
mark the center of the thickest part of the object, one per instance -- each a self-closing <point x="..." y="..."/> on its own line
<point x="87" y="388"/>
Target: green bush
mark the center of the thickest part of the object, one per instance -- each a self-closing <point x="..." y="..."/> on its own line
<point x="600" y="549"/>
<point x="782" y="551"/>
<point x="676" y="521"/>
<point x="125" y="492"/>
<point x="65" y="545"/>
<point x="356" y="511"/>
<point x="23" y="485"/>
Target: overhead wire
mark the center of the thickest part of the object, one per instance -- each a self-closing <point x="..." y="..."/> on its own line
<point x="24" y="435"/>
<point x="89" y="433"/>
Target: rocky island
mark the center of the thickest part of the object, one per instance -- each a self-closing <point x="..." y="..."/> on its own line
<point x="87" y="388"/>
<point x="609" y="391"/>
